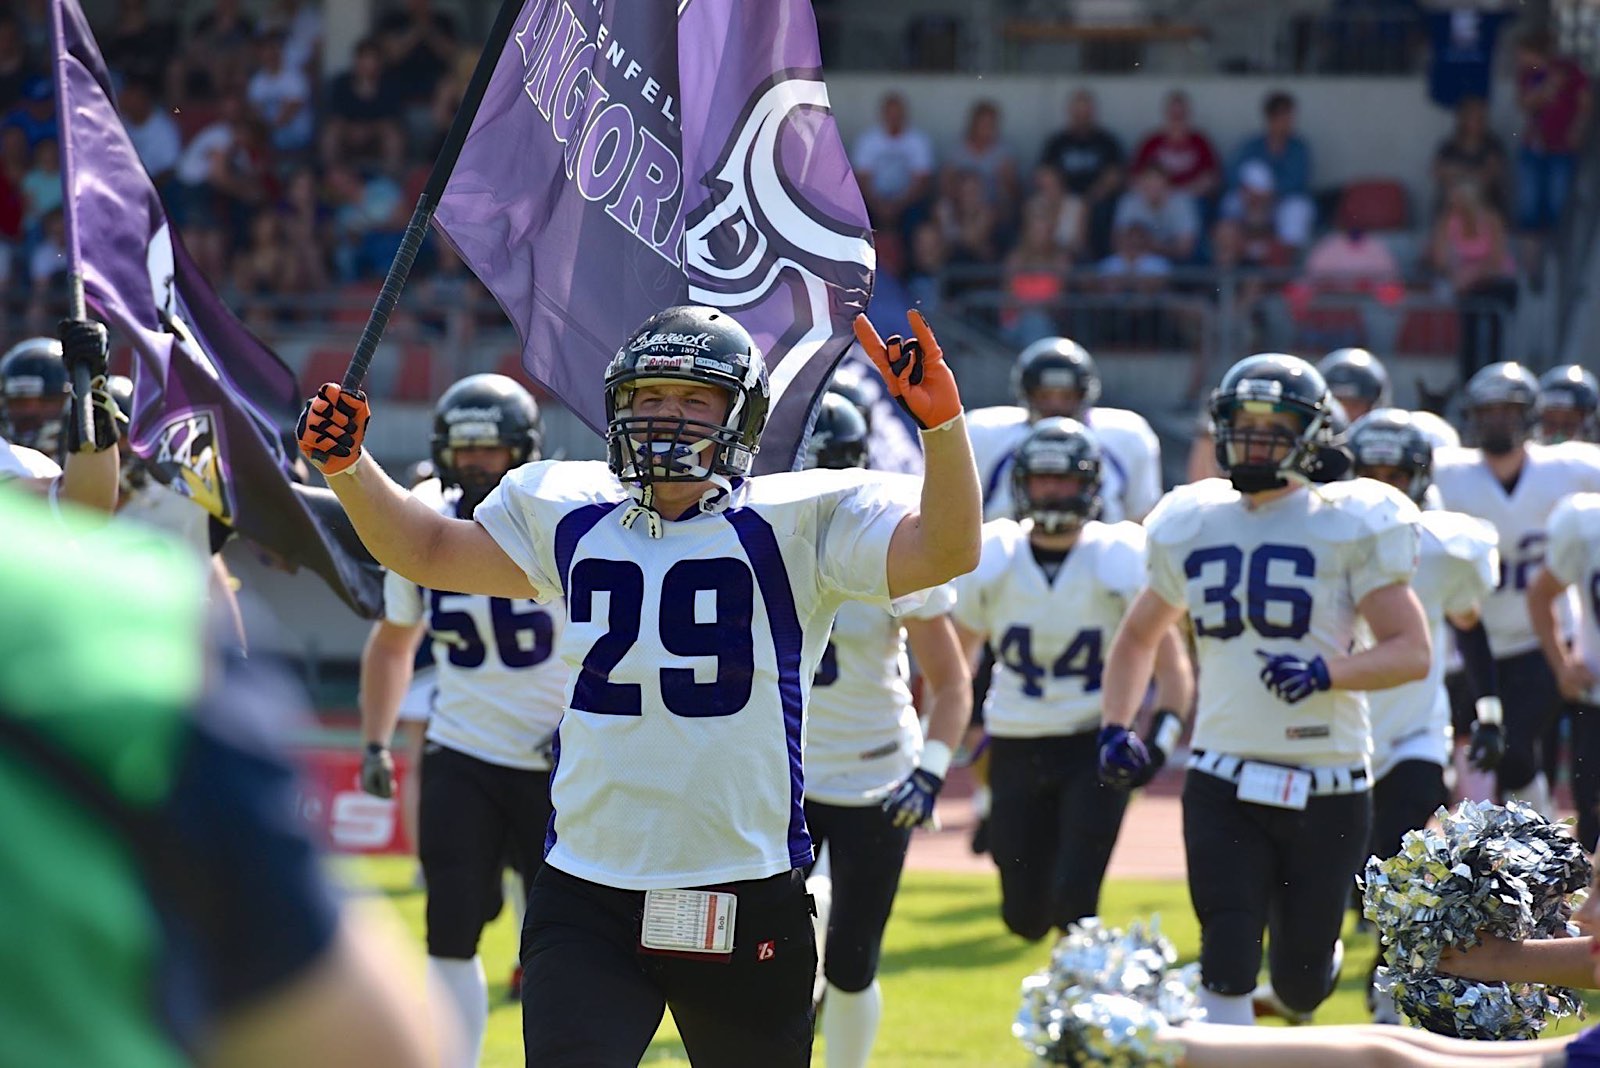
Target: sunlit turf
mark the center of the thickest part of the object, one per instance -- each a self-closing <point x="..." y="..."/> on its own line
<point x="950" y="969"/>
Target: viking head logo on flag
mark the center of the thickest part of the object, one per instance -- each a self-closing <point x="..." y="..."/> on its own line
<point x="628" y="157"/>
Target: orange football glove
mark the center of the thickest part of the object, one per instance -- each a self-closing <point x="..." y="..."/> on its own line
<point x="918" y="378"/>
<point x="331" y="427"/>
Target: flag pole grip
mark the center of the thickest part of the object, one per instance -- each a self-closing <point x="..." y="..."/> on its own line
<point x="422" y="215"/>
<point x="77" y="309"/>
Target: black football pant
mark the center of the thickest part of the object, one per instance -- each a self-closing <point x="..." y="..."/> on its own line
<point x="1530" y="701"/>
<point x="1256" y="867"/>
<point x="1052" y="826"/>
<point x="473" y="819"/>
<point x="866" y="852"/>
<point x="592" y="999"/>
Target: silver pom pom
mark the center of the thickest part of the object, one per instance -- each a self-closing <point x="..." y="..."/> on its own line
<point x="1105" y="998"/>
<point x="1489" y="871"/>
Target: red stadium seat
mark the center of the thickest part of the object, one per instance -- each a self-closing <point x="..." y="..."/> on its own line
<point x="355" y="303"/>
<point x="1429" y="332"/>
<point x="1374" y="204"/>
<point x="413" y="380"/>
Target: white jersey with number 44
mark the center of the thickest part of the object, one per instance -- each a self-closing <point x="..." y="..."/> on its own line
<point x="1049" y="636"/>
<point x="1284" y="577"/>
<point x="498" y="690"/>
<point x="691" y="657"/>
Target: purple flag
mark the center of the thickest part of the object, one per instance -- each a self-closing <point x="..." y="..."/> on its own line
<point x="629" y="156"/>
<point x="211" y="402"/>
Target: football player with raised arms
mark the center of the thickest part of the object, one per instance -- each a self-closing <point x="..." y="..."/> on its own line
<point x="870" y="777"/>
<point x="41" y="417"/>
<point x="1514" y="484"/>
<point x="698" y="602"/>
<point x="1056" y="376"/>
<point x="485" y="768"/>
<point x="1457" y="564"/>
<point x="1274" y="574"/>
<point x="1047" y="595"/>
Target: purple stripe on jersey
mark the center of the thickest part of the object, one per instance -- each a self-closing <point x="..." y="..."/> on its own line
<point x="761" y="546"/>
<point x="555" y="762"/>
<point x="573" y="526"/>
<point x="994" y="477"/>
<point x="1584" y="1051"/>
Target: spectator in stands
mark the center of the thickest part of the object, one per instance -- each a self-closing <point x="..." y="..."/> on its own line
<point x="1349" y="258"/>
<point x="1255" y="205"/>
<point x="982" y="153"/>
<point x="970" y="223"/>
<point x="220" y="52"/>
<point x="1170" y="219"/>
<point x="1090" y="159"/>
<point x="140" y="48"/>
<point x="35" y="115"/>
<point x="41" y="186"/>
<point x="154" y="134"/>
<point x="1287" y="157"/>
<point x="362" y="123"/>
<point x="1036" y="278"/>
<point x="1136" y="262"/>
<point x="305" y="220"/>
<point x="1181" y="152"/>
<point x="220" y="178"/>
<point x="301" y="24"/>
<point x="1474" y="151"/>
<point x="447" y="97"/>
<point x="48" y="260"/>
<point x="420" y="46"/>
<point x="1554" y="95"/>
<point x="368" y="216"/>
<point x="268" y="267"/>
<point x="1471" y="251"/>
<point x="281" y="95"/>
<point x="1070" y="218"/>
<point x="925" y="268"/>
<point x="16" y="66"/>
<point x="894" y="164"/>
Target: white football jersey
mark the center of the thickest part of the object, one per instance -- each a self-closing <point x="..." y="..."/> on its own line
<point x="1131" y="472"/>
<point x="1456" y="569"/>
<point x="1549" y="474"/>
<point x="862" y="733"/>
<point x="1440" y="434"/>
<point x="18" y="461"/>
<point x="499" y="690"/>
<point x="1574" y="558"/>
<point x="154" y="505"/>
<point x="1285" y="577"/>
<point x="1049" y="637"/>
<point x="692" y="655"/>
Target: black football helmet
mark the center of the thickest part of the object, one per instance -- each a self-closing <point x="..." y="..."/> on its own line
<point x="698" y="346"/>
<point x="1056" y="363"/>
<point x="1333" y="445"/>
<point x="483" y="411"/>
<point x="1569" y="398"/>
<point x="849" y="381"/>
<point x="34" y="391"/>
<point x="1271" y="382"/>
<point x="1057" y="446"/>
<point x="1388" y="440"/>
<point x="839" y="439"/>
<point x="1501" y="406"/>
<point x="1357" y="378"/>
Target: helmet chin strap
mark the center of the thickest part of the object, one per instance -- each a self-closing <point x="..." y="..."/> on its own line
<point x="712" y="502"/>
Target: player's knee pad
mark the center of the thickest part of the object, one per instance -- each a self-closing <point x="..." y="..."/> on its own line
<point x="460" y="904"/>
<point x="1303" y="981"/>
<point x="850" y="968"/>
<point x="1230" y="952"/>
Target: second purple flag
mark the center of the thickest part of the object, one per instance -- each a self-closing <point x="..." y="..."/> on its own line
<point x="628" y="156"/>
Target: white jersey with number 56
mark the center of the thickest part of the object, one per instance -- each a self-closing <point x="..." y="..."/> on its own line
<point x="1049" y="636"/>
<point x="1574" y="558"/>
<point x="499" y="690"/>
<point x="692" y="656"/>
<point x="1284" y="577"/>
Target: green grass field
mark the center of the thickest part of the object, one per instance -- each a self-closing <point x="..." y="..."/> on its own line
<point x="950" y="969"/>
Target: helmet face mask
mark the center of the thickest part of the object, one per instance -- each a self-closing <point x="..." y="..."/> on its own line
<point x="33" y="395"/>
<point x="1388" y="446"/>
<point x="478" y="413"/>
<point x="1272" y="413"/>
<point x="1056" y="477"/>
<point x="684" y="350"/>
<point x="1501" y="407"/>
<point x="1056" y="377"/>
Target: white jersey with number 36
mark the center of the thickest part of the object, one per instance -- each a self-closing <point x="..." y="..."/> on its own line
<point x="1049" y="636"/>
<point x="1283" y="577"/>
<point x="498" y="690"/>
<point x="1456" y="570"/>
<point x="862" y="735"/>
<point x="691" y="658"/>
